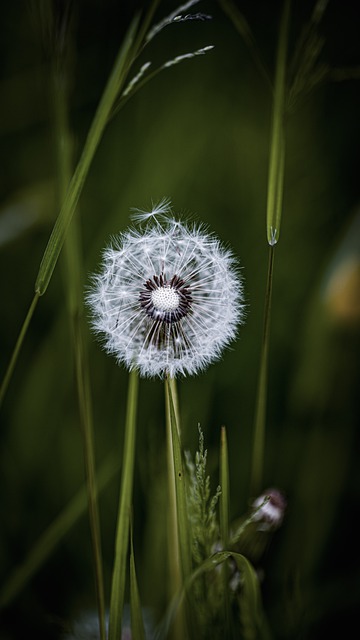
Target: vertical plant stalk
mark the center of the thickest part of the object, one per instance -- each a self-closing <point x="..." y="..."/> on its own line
<point x="178" y="534"/>
<point x="17" y="348"/>
<point x="123" y="523"/>
<point x="224" y="523"/>
<point x="72" y="254"/>
<point x="273" y="221"/>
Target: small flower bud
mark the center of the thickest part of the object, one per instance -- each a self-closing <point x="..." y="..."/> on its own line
<point x="269" y="509"/>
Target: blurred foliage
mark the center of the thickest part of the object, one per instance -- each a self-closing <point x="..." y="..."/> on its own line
<point x="198" y="133"/>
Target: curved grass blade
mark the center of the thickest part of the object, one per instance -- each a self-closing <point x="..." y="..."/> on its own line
<point x="112" y="89"/>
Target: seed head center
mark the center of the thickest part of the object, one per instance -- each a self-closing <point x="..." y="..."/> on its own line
<point x="165" y="298"/>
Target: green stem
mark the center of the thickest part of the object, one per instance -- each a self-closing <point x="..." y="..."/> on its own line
<point x="179" y="543"/>
<point x="18" y="345"/>
<point x="122" y="532"/>
<point x="260" y="414"/>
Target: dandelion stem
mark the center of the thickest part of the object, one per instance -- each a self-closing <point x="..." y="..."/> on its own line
<point x="179" y="544"/>
<point x="122" y="533"/>
<point x="18" y="345"/>
<point x="73" y="255"/>
<point x="260" y="414"/>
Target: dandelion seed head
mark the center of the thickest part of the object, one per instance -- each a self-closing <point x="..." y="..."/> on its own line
<point x="168" y="297"/>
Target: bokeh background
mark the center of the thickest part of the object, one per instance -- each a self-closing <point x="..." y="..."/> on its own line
<point x="199" y="134"/>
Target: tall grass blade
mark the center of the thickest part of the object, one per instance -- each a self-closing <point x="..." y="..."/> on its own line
<point x="53" y="535"/>
<point x="122" y="532"/>
<point x="277" y="142"/>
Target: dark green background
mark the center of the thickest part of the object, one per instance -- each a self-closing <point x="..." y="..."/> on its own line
<point x="199" y="134"/>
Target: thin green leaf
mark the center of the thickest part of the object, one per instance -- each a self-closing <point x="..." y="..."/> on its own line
<point x="122" y="532"/>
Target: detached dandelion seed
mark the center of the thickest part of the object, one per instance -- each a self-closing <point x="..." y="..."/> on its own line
<point x="168" y="298"/>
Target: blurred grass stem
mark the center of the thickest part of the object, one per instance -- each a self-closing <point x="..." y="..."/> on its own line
<point x="73" y="286"/>
<point x="123" y="524"/>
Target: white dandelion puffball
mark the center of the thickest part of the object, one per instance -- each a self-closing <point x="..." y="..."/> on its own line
<point x="168" y="297"/>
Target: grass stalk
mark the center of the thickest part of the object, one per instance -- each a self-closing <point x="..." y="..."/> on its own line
<point x="273" y="221"/>
<point x="74" y="290"/>
<point x="18" y="345"/>
<point x="123" y="524"/>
